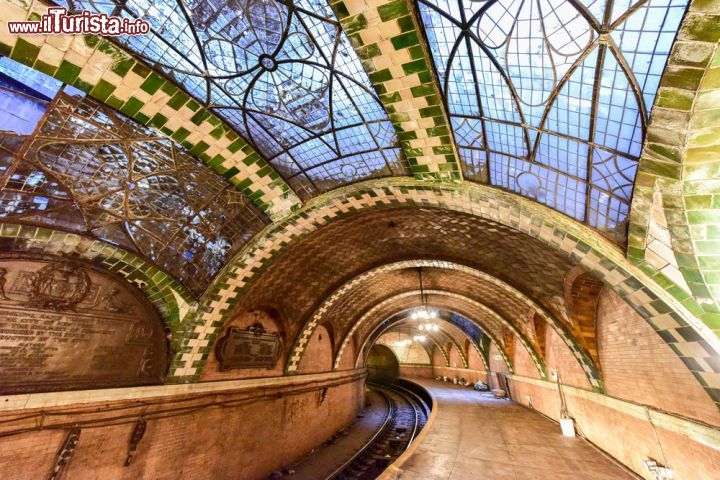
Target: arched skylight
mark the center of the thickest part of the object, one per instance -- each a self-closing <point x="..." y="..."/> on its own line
<point x="284" y="75"/>
<point x="550" y="98"/>
<point x="70" y="163"/>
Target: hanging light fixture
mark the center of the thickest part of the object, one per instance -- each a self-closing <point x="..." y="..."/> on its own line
<point x="423" y="312"/>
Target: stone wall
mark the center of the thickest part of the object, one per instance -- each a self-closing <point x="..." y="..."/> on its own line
<point x="418" y="371"/>
<point x="558" y="358"/>
<point x="642" y="377"/>
<point x="522" y="361"/>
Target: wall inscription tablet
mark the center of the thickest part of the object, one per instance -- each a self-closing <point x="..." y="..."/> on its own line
<point x="251" y="348"/>
<point x="66" y="326"/>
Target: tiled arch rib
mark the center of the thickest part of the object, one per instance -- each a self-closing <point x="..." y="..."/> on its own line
<point x="452" y="338"/>
<point x="112" y="75"/>
<point x="441" y="350"/>
<point x="690" y="338"/>
<point x="440" y="337"/>
<point x="443" y="334"/>
<point x="386" y="37"/>
<point x="170" y="298"/>
<point x="676" y="190"/>
<point x="317" y="318"/>
<point x="475" y="305"/>
<point x="478" y="346"/>
<point x="389" y="322"/>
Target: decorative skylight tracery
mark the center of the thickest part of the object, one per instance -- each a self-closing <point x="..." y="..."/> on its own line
<point x="551" y="98"/>
<point x="70" y="163"/>
<point x="282" y="73"/>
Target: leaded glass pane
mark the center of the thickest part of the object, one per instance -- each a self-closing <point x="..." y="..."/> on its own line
<point x="88" y="169"/>
<point x="281" y="75"/>
<point x="553" y="92"/>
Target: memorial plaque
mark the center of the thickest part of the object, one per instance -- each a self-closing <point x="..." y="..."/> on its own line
<point x="251" y="348"/>
<point x="68" y="326"/>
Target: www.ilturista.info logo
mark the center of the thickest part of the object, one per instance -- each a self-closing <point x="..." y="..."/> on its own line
<point x="57" y="20"/>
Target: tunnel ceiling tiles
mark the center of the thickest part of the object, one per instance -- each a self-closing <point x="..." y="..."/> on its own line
<point x="502" y="252"/>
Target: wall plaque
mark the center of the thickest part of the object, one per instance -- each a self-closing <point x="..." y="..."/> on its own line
<point x="251" y="348"/>
<point x="69" y="326"/>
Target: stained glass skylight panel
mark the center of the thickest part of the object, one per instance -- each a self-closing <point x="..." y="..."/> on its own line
<point x="552" y="101"/>
<point x="85" y="168"/>
<point x="282" y="74"/>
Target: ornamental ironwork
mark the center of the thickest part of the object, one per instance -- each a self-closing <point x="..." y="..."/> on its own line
<point x="551" y="98"/>
<point x="283" y="74"/>
<point x="72" y="164"/>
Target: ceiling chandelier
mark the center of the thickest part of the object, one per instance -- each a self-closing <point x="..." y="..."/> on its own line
<point x="424" y="312"/>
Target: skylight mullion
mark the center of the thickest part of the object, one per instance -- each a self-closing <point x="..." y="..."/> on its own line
<point x="634" y="85"/>
<point x="508" y="82"/>
<point x="624" y="16"/>
<point x="602" y="49"/>
<point x="468" y="45"/>
<point x="330" y="66"/>
<point x="188" y="19"/>
<point x="365" y="122"/>
<point x="589" y="17"/>
<point x="167" y="44"/>
<point x="547" y="167"/>
<point x="19" y="156"/>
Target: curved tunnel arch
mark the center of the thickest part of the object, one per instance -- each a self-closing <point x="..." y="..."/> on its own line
<point x="396" y="317"/>
<point x="586" y="362"/>
<point x="325" y="308"/>
<point x="462" y="338"/>
<point x="443" y="333"/>
<point x="577" y="243"/>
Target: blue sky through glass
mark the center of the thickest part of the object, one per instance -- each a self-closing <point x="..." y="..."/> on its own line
<point x="536" y="88"/>
<point x="283" y="75"/>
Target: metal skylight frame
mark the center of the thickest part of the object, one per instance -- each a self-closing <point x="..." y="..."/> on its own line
<point x="189" y="36"/>
<point x="499" y="150"/>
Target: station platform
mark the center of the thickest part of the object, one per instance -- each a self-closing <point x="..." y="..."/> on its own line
<point x="475" y="435"/>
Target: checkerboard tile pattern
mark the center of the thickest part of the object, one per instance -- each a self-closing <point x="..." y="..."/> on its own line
<point x="386" y="37"/>
<point x="169" y="297"/>
<point x="110" y="74"/>
<point x="317" y="318"/>
<point x="687" y="335"/>
<point x="484" y="312"/>
<point x="681" y="161"/>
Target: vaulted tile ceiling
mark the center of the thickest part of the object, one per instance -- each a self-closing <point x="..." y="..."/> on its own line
<point x="549" y="99"/>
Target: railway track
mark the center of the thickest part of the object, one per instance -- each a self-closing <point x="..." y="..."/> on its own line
<point x="407" y="414"/>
